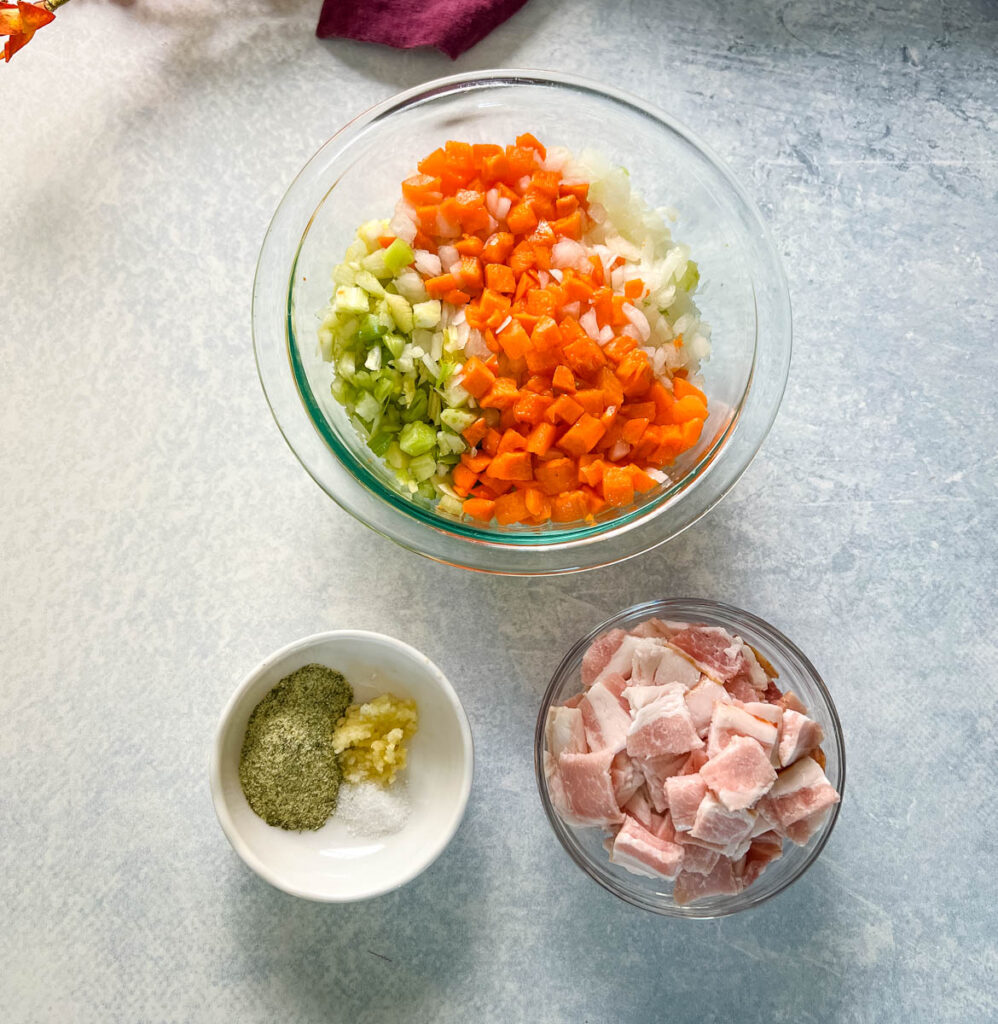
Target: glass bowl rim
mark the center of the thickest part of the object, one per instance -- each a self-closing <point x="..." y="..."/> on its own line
<point x="684" y="607"/>
<point x="562" y="542"/>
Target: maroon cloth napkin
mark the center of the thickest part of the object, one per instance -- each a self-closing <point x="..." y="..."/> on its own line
<point x="450" y="25"/>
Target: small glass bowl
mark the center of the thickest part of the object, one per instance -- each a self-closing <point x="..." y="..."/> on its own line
<point x="355" y="177"/>
<point x="585" y="845"/>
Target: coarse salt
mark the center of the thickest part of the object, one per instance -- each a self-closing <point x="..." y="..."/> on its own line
<point x="368" y="809"/>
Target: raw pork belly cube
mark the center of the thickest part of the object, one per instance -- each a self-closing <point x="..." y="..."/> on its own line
<point x="800" y="832"/>
<point x="701" y="699"/>
<point x="639" y="807"/>
<point x="722" y="656"/>
<point x="601" y="650"/>
<point x="564" y="732"/>
<point x="662" y="727"/>
<point x="638" y="696"/>
<point x="626" y="777"/>
<point x="791" y="702"/>
<point x="700" y="860"/>
<point x="685" y="794"/>
<point x="740" y="774"/>
<point x="769" y="712"/>
<point x="800" y="736"/>
<point x="696" y="760"/>
<point x="663" y="827"/>
<point x="622" y="659"/>
<point x="556" y="791"/>
<point x="773" y="693"/>
<point x="721" y="881"/>
<point x="800" y="792"/>
<point x="616" y="684"/>
<point x="656" y="771"/>
<point x="657" y="627"/>
<point x="763" y="851"/>
<point x="588" y="787"/>
<point x="717" y="825"/>
<point x="642" y="853"/>
<point x="729" y="721"/>
<point x="605" y="720"/>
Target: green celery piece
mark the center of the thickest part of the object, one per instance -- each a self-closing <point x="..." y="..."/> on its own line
<point x="350" y="299"/>
<point x="370" y="329"/>
<point x="426" y="314"/>
<point x="382" y="388"/>
<point x="395" y="343"/>
<point x="417" y="407"/>
<point x="691" y="278"/>
<point x="381" y="442"/>
<point x="457" y="419"/>
<point x="417" y="438"/>
<point x="426" y="490"/>
<point x="423" y="467"/>
<point x="400" y="311"/>
<point x="369" y="283"/>
<point x="398" y="255"/>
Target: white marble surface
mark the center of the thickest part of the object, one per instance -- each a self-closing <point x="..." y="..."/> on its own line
<point x="158" y="538"/>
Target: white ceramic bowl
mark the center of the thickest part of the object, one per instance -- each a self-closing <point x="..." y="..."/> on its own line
<point x="330" y="864"/>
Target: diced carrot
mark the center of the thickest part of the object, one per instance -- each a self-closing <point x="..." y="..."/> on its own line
<point x="565" y="205"/>
<point x="438" y="287"/>
<point x="635" y="374"/>
<point x="613" y="393"/>
<point x="469" y="274"/>
<point x="618" y="487"/>
<point x="540" y="302"/>
<point x="682" y="388"/>
<point x="522" y="161"/>
<point x="691" y="429"/>
<point x="527" y="280"/>
<point x="650" y="440"/>
<point x="502" y="395"/>
<point x="522" y="258"/>
<point x="490" y="443"/>
<point x="547" y="334"/>
<point x="511" y="465"/>
<point x="496" y="168"/>
<point x="564" y="409"/>
<point x="584" y="357"/>
<point x="538" y="383"/>
<point x="599" y="278"/>
<point x="479" y="508"/>
<point x="634" y="288"/>
<point x="464" y="479"/>
<point x="568" y="507"/>
<point x="592" y="400"/>
<point x="422" y="189"/>
<point x="570" y="226"/>
<point x="538" y="503"/>
<point x="470" y="245"/>
<point x="577" y="289"/>
<point x="595" y="502"/>
<point x="457" y="297"/>
<point x="556" y="475"/>
<point x="511" y="508"/>
<point x="578" y="189"/>
<point x="477" y="463"/>
<point x="511" y="441"/>
<point x="563" y="379"/>
<point x="637" y="410"/>
<point x="521" y="219"/>
<point x="663" y="400"/>
<point x="688" y="408"/>
<point x="641" y="480"/>
<point x="477" y="430"/>
<point x="527" y="321"/>
<point x="514" y="339"/>
<point x="385" y="240"/>
<point x="582" y="436"/>
<point x="477" y="379"/>
<point x="633" y="429"/>
<point x="434" y="164"/>
<point x="541" y="361"/>
<point x="617" y="348"/>
<point x="531" y="407"/>
<point x="540" y="439"/>
<point x="591" y="472"/>
<point x="492" y="305"/>
<point x="498" y="247"/>
<point x="500" y="278"/>
<point x="527" y="141"/>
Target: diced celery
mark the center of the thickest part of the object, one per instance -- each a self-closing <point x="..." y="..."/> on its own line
<point x="433" y="407"/>
<point x="344" y="274"/>
<point x="368" y="407"/>
<point x="371" y="329"/>
<point x="375" y="263"/>
<point x="366" y="280"/>
<point x="341" y="391"/>
<point x="326" y="344"/>
<point x="345" y="366"/>
<point x="395" y="457"/>
<point x="398" y="255"/>
<point x="395" y="343"/>
<point x="425" y="314"/>
<point x="356" y="251"/>
<point x="450" y="506"/>
<point x="381" y="442"/>
<point x="350" y="299"/>
<point x="401" y="312"/>
<point x="423" y="467"/>
<point x="383" y="387"/>
<point x="450" y="443"/>
<point x="362" y="379"/>
<point x="425" y="490"/>
<point x="416" y="409"/>
<point x="691" y="278"/>
<point x="417" y="438"/>
<point x="457" y="419"/>
<point x="373" y="360"/>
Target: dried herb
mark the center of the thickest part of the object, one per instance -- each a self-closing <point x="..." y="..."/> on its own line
<point x="288" y="767"/>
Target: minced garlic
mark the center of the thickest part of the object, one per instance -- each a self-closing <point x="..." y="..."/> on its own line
<point x="370" y="738"/>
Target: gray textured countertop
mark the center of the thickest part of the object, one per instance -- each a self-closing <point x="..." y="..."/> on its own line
<point x="159" y="538"/>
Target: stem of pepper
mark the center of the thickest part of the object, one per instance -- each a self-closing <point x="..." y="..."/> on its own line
<point x="52" y="5"/>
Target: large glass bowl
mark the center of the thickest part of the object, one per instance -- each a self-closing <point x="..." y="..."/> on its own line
<point x="355" y="177"/>
<point x="585" y="845"/>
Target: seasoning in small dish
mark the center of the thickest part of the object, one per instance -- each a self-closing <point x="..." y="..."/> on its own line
<point x="370" y="738"/>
